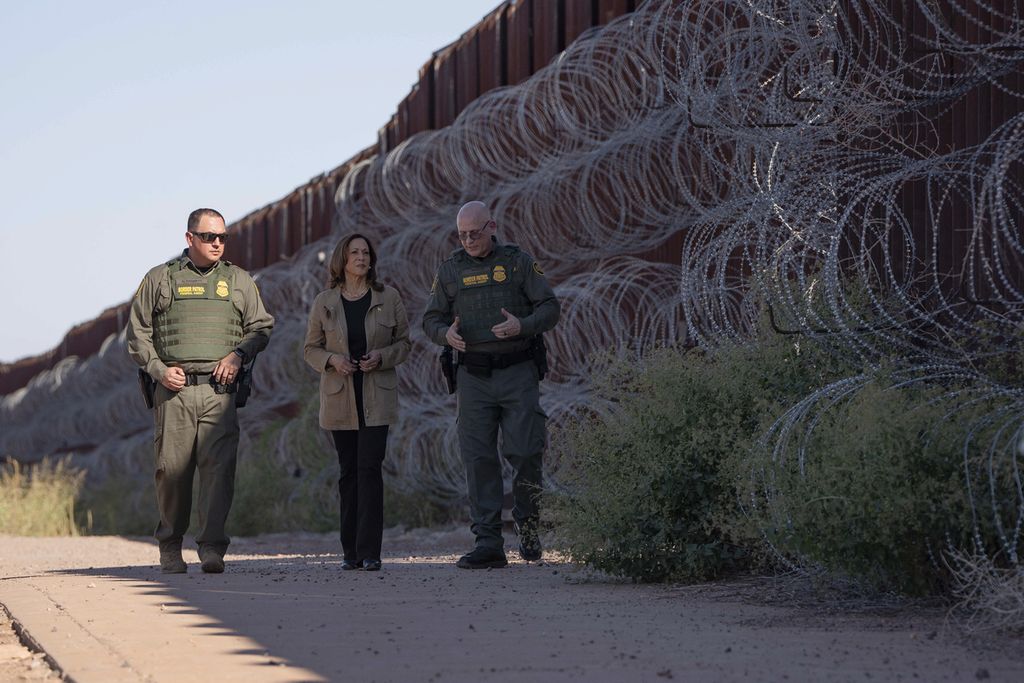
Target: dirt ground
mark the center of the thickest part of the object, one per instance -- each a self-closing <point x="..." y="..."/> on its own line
<point x="284" y="611"/>
<point x="17" y="662"/>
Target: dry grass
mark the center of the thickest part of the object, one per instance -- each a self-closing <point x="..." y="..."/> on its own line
<point x="39" y="500"/>
<point x="989" y="599"/>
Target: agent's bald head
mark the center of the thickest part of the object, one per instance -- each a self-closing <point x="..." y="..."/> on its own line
<point x="475" y="228"/>
<point x="472" y="216"/>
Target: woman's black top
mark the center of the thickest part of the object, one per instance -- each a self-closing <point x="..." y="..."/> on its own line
<point x="355" y="319"/>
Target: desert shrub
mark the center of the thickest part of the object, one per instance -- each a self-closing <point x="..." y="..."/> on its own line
<point x="39" y="500"/>
<point x="287" y="493"/>
<point x="878" y="494"/>
<point x="651" y="481"/>
<point x="119" y="504"/>
<point x="413" y="509"/>
<point x="262" y="490"/>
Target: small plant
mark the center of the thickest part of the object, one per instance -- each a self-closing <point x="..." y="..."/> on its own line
<point x="39" y="500"/>
<point x="989" y="598"/>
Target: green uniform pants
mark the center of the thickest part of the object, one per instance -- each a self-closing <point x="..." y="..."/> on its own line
<point x="195" y="427"/>
<point x="508" y="400"/>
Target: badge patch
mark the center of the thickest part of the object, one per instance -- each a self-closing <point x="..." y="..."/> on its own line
<point x="222" y="288"/>
<point x="536" y="268"/>
<point x="499" y="274"/>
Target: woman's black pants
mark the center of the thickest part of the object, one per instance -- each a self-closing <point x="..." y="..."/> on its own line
<point x="361" y="485"/>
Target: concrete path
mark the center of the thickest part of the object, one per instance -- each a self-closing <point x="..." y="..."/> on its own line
<point x="284" y="611"/>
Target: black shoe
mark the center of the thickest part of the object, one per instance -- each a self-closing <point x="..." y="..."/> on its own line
<point x="529" y="541"/>
<point x="371" y="565"/>
<point x="349" y="565"/>
<point x="212" y="560"/>
<point x="483" y="558"/>
<point x="171" y="562"/>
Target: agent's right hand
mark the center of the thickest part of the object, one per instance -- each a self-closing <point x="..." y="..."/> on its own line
<point x="342" y="365"/>
<point x="173" y="379"/>
<point x="453" y="338"/>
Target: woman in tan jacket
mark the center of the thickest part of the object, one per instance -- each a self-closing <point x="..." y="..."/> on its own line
<point x="357" y="333"/>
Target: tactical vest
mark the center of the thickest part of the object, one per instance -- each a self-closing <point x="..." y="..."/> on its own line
<point x="201" y="324"/>
<point x="484" y="289"/>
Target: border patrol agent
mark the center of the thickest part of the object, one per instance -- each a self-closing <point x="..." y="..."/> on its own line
<point x="490" y="302"/>
<point x="193" y="322"/>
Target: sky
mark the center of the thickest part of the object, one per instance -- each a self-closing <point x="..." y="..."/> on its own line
<point x="118" y="118"/>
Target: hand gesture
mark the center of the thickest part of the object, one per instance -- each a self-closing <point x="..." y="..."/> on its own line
<point x="227" y="368"/>
<point x="342" y="364"/>
<point x="370" y="361"/>
<point x="173" y="379"/>
<point x="453" y="338"/>
<point x="508" y="328"/>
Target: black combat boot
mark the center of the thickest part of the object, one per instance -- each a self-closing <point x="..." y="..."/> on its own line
<point x="529" y="540"/>
<point x="483" y="558"/>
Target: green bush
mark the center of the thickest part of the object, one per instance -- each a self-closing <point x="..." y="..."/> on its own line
<point x="652" y="481"/>
<point x="879" y="493"/>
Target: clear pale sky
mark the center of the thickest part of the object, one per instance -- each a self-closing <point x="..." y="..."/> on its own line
<point x="118" y="118"/>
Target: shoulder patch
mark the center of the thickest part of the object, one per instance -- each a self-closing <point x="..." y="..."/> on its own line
<point x="537" y="269"/>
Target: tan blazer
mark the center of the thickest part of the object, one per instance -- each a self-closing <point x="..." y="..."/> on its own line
<point x="387" y="331"/>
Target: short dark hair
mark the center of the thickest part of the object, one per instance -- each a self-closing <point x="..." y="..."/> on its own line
<point x="197" y="215"/>
<point x="340" y="257"/>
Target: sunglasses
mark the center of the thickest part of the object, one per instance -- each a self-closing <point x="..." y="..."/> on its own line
<point x="209" y="237"/>
<point x="473" y="234"/>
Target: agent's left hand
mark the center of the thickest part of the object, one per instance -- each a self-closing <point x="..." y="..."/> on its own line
<point x="370" y="361"/>
<point x="227" y="368"/>
<point x="509" y="328"/>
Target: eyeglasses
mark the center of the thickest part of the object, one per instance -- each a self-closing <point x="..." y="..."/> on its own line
<point x="473" y="235"/>
<point x="209" y="237"/>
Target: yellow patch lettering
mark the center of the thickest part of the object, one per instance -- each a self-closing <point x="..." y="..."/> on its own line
<point x="475" y="279"/>
<point x="191" y="290"/>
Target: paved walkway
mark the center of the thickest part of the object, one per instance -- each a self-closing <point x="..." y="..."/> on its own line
<point x="284" y="611"/>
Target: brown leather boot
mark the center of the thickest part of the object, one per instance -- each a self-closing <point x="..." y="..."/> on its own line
<point x="212" y="559"/>
<point x="170" y="560"/>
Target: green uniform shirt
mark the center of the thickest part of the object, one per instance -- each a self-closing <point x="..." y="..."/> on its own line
<point x="154" y="296"/>
<point x="439" y="313"/>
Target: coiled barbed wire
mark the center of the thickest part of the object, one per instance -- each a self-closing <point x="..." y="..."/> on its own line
<point x="789" y="151"/>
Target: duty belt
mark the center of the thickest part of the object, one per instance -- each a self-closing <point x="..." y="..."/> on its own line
<point x="195" y="379"/>
<point x="494" y="361"/>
